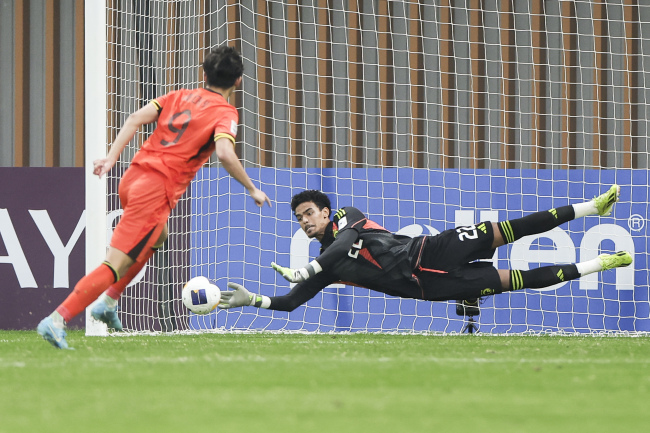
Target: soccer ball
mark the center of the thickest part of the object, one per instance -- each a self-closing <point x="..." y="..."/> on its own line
<point x="200" y="296"/>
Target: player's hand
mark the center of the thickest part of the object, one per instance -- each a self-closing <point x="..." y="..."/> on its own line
<point x="239" y="297"/>
<point x="260" y="197"/>
<point x="102" y="166"/>
<point x="291" y="275"/>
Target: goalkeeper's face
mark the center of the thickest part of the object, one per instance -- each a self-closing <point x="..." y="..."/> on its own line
<point x="312" y="220"/>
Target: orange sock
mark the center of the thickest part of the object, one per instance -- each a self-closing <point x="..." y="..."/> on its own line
<point x="116" y="290"/>
<point x="86" y="291"/>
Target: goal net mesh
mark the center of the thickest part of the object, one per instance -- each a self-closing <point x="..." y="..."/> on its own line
<point x="425" y="117"/>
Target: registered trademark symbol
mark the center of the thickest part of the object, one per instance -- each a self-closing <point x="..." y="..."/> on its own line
<point x="636" y="222"/>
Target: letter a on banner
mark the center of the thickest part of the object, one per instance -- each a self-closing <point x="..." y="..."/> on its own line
<point x="15" y="254"/>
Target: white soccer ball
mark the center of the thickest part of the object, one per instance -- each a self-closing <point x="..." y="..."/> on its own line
<point x="200" y="296"/>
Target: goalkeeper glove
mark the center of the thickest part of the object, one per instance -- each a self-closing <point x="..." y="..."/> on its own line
<point x="240" y="297"/>
<point x="298" y="275"/>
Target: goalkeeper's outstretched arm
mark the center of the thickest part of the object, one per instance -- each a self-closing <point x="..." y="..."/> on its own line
<point x="332" y="254"/>
<point x="301" y="293"/>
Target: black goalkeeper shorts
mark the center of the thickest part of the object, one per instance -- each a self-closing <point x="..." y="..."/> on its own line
<point x="447" y="266"/>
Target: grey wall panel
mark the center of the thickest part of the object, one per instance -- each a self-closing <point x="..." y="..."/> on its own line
<point x="584" y="103"/>
<point x="40" y="124"/>
<point x="7" y="42"/>
<point x="36" y="74"/>
<point x="156" y="46"/>
<point x="67" y="83"/>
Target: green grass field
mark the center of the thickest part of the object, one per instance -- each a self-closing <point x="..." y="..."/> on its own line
<point x="324" y="383"/>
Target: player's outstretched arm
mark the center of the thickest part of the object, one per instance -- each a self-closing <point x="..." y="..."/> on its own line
<point x="145" y="115"/>
<point x="298" y="275"/>
<point x="332" y="254"/>
<point x="240" y="297"/>
<point x="230" y="161"/>
<point x="301" y="293"/>
<point x="260" y="197"/>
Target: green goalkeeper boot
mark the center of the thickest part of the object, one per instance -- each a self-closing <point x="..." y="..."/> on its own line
<point x="605" y="202"/>
<point x="618" y="260"/>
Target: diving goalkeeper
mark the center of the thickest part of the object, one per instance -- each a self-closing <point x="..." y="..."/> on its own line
<point x="357" y="251"/>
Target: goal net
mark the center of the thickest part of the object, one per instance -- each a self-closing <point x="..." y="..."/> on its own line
<point x="423" y="116"/>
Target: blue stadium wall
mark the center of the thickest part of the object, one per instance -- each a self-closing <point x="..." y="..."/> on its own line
<point x="233" y="240"/>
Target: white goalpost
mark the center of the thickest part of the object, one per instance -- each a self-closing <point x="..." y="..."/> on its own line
<point x="424" y="116"/>
<point x="95" y="136"/>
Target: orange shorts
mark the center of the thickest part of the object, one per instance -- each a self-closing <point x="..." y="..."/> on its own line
<point x="146" y="208"/>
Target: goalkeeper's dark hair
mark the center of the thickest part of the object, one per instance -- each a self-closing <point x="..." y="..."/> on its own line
<point x="223" y="66"/>
<point x="319" y="198"/>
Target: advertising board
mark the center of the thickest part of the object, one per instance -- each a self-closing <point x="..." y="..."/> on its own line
<point x="42" y="247"/>
<point x="233" y="240"/>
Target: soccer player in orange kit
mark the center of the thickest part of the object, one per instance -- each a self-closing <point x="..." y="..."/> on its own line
<point x="192" y="123"/>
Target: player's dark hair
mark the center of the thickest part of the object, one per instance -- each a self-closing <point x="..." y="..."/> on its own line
<point x="223" y="66"/>
<point x="319" y="198"/>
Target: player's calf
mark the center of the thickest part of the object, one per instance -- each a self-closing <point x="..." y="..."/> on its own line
<point x="538" y="222"/>
<point x="542" y="277"/>
<point x="549" y="275"/>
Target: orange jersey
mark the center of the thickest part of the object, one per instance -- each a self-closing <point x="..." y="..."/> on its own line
<point x="190" y="122"/>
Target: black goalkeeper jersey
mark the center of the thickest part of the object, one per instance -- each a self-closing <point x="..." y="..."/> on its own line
<point x="357" y="251"/>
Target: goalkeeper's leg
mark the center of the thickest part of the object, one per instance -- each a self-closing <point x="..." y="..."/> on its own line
<point x="506" y="232"/>
<point x="549" y="275"/>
